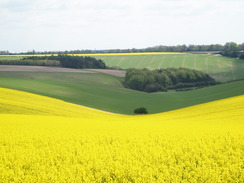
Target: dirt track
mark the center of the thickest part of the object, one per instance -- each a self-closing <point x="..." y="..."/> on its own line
<point x="119" y="73"/>
<point x="39" y="69"/>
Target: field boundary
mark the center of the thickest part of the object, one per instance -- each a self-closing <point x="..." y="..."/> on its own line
<point x="40" y="69"/>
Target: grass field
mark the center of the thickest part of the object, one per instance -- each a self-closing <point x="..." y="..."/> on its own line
<point x="48" y="140"/>
<point x="106" y="92"/>
<point x="221" y="68"/>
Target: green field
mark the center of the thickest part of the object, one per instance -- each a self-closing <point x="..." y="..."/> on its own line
<point x="10" y="58"/>
<point x="105" y="92"/>
<point x="219" y="67"/>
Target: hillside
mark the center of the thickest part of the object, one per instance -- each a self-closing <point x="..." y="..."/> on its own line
<point x="105" y="92"/>
<point x="196" y="144"/>
<point x="19" y="102"/>
<point x="219" y="67"/>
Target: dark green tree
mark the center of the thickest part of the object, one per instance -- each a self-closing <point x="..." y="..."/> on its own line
<point x="141" y="110"/>
<point x="164" y="79"/>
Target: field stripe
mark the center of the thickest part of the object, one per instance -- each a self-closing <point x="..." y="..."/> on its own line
<point x="173" y="61"/>
<point x="161" y="62"/>
<point x="120" y="60"/>
<point x="195" y="60"/>
<point x="150" y="62"/>
<point x="219" y="69"/>
<point x="183" y="62"/>
<point x="206" y="64"/>
<point x="140" y="63"/>
<point x="232" y="71"/>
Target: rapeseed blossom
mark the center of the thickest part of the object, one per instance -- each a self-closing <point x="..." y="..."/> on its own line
<point x="48" y="140"/>
<point x="100" y="54"/>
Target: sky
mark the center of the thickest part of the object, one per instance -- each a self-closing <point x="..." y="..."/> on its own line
<point x="59" y="25"/>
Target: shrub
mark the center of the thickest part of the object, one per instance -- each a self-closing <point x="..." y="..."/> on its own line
<point x="153" y="88"/>
<point x="141" y="110"/>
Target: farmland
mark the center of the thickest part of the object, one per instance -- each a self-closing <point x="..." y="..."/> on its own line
<point x="221" y="68"/>
<point x="48" y="140"/>
<point x="94" y="54"/>
<point x="45" y="139"/>
<point x="121" y="91"/>
<point x="106" y="92"/>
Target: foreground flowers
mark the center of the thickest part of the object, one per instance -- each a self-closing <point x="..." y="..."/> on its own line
<point x="48" y="140"/>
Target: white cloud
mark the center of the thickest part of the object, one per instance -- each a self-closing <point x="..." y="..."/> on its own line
<point x="90" y="24"/>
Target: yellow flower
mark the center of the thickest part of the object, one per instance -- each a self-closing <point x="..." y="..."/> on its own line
<point x="48" y="140"/>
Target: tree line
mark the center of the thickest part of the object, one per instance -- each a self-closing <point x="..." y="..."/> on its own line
<point x="159" y="48"/>
<point x="53" y="63"/>
<point x="233" y="50"/>
<point x="73" y="61"/>
<point x="164" y="79"/>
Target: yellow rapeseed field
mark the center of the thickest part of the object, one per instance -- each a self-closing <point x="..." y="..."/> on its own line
<point x="100" y="54"/>
<point x="48" y="140"/>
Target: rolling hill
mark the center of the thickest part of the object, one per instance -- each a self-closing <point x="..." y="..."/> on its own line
<point x="105" y="92"/>
<point x="48" y="140"/>
<point x="219" y="67"/>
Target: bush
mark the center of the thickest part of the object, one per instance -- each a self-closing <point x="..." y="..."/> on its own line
<point x="241" y="56"/>
<point x="141" y="110"/>
<point x="153" y="88"/>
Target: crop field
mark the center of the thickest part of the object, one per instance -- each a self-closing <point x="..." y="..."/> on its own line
<point x="219" y="67"/>
<point x="48" y="140"/>
<point x="105" y="92"/>
<point x="93" y="54"/>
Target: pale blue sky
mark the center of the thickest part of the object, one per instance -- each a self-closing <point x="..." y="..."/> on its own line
<point x="49" y="25"/>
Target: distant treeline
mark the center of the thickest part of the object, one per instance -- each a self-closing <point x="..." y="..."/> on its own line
<point x="164" y="79"/>
<point x="233" y="54"/>
<point x="35" y="62"/>
<point x="230" y="49"/>
<point x="159" y="48"/>
<point x="73" y="61"/>
<point x="233" y="50"/>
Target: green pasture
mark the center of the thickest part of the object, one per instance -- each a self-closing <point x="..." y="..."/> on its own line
<point x="219" y="67"/>
<point x="106" y="92"/>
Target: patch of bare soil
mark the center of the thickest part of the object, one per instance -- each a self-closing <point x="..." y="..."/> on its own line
<point x="40" y="69"/>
